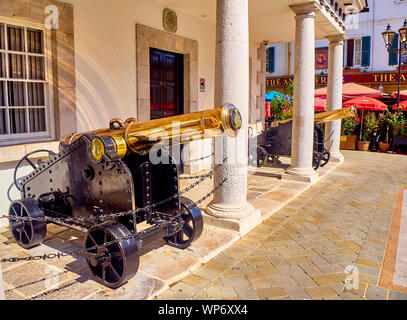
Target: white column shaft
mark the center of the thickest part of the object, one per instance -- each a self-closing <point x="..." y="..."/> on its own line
<point x="232" y="86"/>
<point x="334" y="96"/>
<point x="303" y="112"/>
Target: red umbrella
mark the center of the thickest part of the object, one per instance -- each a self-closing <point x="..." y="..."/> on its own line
<point x="352" y="90"/>
<point x="403" y="106"/>
<point x="320" y="104"/>
<point x="365" y="103"/>
<point x="403" y="94"/>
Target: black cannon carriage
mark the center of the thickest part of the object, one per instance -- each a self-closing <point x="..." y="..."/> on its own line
<point x="275" y="140"/>
<point x="106" y="183"/>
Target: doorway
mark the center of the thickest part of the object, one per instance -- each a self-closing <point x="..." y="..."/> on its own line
<point x="167" y="90"/>
<point x="166" y="84"/>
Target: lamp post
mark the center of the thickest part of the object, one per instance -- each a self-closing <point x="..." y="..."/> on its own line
<point x="388" y="36"/>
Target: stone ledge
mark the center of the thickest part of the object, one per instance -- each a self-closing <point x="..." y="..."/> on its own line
<point x="16" y="152"/>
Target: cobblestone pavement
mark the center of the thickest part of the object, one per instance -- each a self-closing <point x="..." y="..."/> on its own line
<point x="303" y="250"/>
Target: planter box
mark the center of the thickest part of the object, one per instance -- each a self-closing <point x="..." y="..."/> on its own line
<point x="348" y="142"/>
<point x="398" y="140"/>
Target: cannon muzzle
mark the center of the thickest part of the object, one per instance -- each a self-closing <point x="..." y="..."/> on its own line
<point x="134" y="137"/>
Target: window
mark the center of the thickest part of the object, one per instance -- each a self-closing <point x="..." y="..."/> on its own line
<point x="24" y="109"/>
<point x="357" y="52"/>
<point x="270" y="60"/>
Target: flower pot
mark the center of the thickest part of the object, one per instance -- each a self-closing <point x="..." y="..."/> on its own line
<point x="384" y="147"/>
<point x="348" y="142"/>
<point x="363" y="145"/>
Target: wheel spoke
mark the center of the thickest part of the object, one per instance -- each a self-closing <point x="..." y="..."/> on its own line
<point x="116" y="254"/>
<point x="114" y="271"/>
<point x="180" y="237"/>
<point x="21" y="211"/>
<point x="186" y="217"/>
<point x="187" y="229"/>
<point x="15" y="212"/>
<point x="20" y="232"/>
<point x="103" y="273"/>
<point x="93" y="240"/>
<point x="105" y="237"/>
<point x="26" y="234"/>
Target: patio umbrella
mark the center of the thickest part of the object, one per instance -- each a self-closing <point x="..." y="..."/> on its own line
<point x="365" y="103"/>
<point x="403" y="106"/>
<point x="352" y="90"/>
<point x="403" y="94"/>
<point x="274" y="95"/>
<point x="320" y="104"/>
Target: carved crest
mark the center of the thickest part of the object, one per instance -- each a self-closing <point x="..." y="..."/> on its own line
<point x="169" y="20"/>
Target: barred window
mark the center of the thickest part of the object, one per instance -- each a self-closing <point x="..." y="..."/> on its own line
<point x="23" y="83"/>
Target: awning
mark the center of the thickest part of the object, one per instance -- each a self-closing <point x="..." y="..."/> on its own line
<point x="403" y="94"/>
<point x="275" y="95"/>
<point x="365" y="103"/>
<point x="403" y="106"/>
<point x="352" y="90"/>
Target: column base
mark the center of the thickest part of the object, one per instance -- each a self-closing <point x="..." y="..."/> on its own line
<point x="300" y="174"/>
<point x="241" y="220"/>
<point x="337" y="157"/>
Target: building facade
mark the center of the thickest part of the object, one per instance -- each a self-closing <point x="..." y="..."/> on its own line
<point x="74" y="65"/>
<point x="366" y="60"/>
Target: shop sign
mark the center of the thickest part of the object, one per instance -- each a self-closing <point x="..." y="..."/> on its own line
<point x="364" y="77"/>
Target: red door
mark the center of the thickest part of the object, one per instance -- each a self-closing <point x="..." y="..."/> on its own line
<point x="166" y="84"/>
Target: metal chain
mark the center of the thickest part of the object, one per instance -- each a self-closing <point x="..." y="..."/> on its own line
<point x="78" y="252"/>
<point x="201" y="158"/>
<point x="93" y="218"/>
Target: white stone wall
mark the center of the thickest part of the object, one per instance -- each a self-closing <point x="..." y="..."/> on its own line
<point x="106" y="56"/>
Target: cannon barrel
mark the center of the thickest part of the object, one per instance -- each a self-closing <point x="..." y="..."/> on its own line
<point x="131" y="136"/>
<point x="327" y="116"/>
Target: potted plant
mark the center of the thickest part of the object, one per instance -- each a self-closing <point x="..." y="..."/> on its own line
<point x="348" y="138"/>
<point x="371" y="123"/>
<point x="387" y="121"/>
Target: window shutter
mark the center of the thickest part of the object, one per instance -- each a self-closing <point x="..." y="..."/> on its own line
<point x="366" y="51"/>
<point x="271" y="60"/>
<point x="393" y="57"/>
<point x="349" y="56"/>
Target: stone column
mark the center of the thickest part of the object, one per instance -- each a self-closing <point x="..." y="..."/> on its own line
<point x="334" y="96"/>
<point x="303" y="110"/>
<point x="232" y="86"/>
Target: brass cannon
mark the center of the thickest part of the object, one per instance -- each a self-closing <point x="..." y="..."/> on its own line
<point x="105" y="182"/>
<point x="275" y="141"/>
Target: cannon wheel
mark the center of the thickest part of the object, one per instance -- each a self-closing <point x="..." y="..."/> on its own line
<point x="325" y="158"/>
<point x="316" y="161"/>
<point x="192" y="227"/>
<point x="27" y="233"/>
<point x="114" y="264"/>
<point x="257" y="156"/>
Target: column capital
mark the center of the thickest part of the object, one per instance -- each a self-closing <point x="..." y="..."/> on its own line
<point x="337" y="38"/>
<point x="305" y="8"/>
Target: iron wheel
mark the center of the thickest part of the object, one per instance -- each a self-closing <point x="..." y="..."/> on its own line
<point x="325" y="158"/>
<point x="257" y="156"/>
<point x="27" y="233"/>
<point x="192" y="226"/>
<point x="114" y="264"/>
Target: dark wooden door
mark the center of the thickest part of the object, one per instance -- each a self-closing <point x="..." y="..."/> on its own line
<point x="166" y="84"/>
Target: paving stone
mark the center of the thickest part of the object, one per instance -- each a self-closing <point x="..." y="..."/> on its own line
<point x="320" y="292"/>
<point x="185" y="289"/>
<point x="376" y="293"/>
<point x="221" y="293"/>
<point x="327" y="280"/>
<point x="234" y="281"/>
<point x="195" y="281"/>
<point x="245" y="293"/>
<point x="270" y="293"/>
<point x="258" y="281"/>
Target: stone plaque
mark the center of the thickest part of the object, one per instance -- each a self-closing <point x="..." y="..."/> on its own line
<point x="170" y="20"/>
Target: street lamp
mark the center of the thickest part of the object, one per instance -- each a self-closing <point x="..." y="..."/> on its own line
<point x="388" y="36"/>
